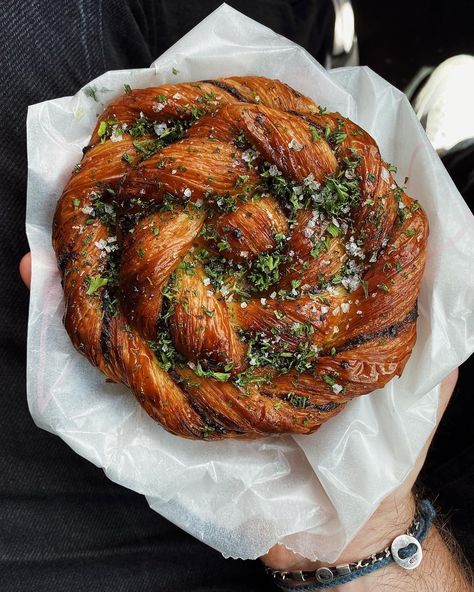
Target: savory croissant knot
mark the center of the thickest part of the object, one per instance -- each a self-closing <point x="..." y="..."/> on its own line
<point x="237" y="256"/>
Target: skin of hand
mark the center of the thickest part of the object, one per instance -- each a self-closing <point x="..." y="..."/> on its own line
<point x="25" y="269"/>
<point x="439" y="569"/>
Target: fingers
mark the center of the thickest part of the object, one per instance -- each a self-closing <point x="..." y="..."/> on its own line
<point x="25" y="269"/>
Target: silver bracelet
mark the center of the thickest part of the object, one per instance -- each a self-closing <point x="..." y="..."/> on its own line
<point x="405" y="550"/>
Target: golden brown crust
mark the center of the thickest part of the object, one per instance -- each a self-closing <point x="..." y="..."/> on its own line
<point x="239" y="258"/>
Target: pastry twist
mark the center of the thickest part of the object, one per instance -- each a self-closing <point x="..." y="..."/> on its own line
<point x="241" y="259"/>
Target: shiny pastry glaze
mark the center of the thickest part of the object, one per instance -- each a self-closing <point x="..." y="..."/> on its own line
<point x="237" y="256"/>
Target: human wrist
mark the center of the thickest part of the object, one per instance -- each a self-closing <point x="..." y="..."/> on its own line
<point x="392" y="517"/>
<point x="439" y="565"/>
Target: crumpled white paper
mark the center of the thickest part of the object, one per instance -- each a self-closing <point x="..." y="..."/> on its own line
<point x="243" y="497"/>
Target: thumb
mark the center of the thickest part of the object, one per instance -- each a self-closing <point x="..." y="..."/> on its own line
<point x="25" y="269"/>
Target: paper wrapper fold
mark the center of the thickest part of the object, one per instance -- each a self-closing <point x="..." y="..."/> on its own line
<point x="311" y="493"/>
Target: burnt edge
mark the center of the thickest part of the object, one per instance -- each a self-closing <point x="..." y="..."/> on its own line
<point x="197" y="407"/>
<point x="328" y="406"/>
<point x="227" y="88"/>
<point x="390" y="332"/>
<point x="67" y="255"/>
<point x="322" y="407"/>
<point x="106" y="328"/>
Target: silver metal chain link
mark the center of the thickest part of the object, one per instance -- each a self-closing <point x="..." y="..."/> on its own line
<point x="327" y="574"/>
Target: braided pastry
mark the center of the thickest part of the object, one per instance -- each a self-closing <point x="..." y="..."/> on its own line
<point x="238" y="257"/>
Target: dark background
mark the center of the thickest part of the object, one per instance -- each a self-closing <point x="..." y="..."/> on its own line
<point x="397" y="38"/>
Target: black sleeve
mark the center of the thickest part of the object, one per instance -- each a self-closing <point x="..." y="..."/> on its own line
<point x="63" y="525"/>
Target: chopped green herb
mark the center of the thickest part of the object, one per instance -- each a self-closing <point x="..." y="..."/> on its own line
<point x="196" y="112"/>
<point x="95" y="282"/>
<point x="241" y="180"/>
<point x="103" y="211"/>
<point x="102" y="129"/>
<point x="148" y="148"/>
<point x="240" y="140"/>
<point x="164" y="350"/>
<point x="339" y="137"/>
<point x="314" y="133"/>
<point x="268" y="351"/>
<point x="244" y="379"/>
<point x="208" y="97"/>
<point x="264" y="270"/>
<point x="221" y="376"/>
<point x="223" y="245"/>
<point x="329" y="380"/>
<point x="338" y="195"/>
<point x="295" y="284"/>
<point x="188" y="267"/>
<point x="141" y="127"/>
<point x="319" y="246"/>
<point x="334" y="230"/>
<point x="224" y="203"/>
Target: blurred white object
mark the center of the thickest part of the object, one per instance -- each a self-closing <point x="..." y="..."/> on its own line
<point x="344" y="31"/>
<point x="445" y="103"/>
<point x="345" y="50"/>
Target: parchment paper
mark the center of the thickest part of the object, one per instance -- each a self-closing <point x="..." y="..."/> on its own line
<point x="243" y="497"/>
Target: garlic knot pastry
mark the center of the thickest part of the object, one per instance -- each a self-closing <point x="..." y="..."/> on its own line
<point x="237" y="256"/>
